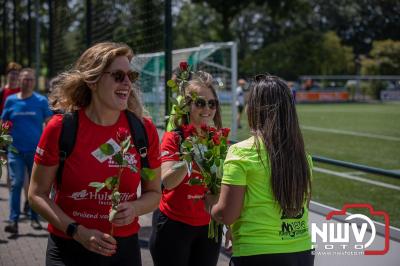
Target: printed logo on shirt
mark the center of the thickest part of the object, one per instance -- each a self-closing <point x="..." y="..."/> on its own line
<point x="25" y="113"/>
<point x="102" y="198"/>
<point x="39" y="151"/>
<point x="195" y="197"/>
<point x="101" y="157"/>
<point x="292" y="229"/>
<point x="130" y="158"/>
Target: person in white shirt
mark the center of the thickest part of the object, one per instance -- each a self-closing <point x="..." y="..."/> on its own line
<point x="240" y="100"/>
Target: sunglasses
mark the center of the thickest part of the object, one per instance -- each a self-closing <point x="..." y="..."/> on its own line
<point x="201" y="103"/>
<point x="119" y="75"/>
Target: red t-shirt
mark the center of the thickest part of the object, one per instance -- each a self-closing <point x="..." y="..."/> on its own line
<point x="7" y="92"/>
<point x="74" y="196"/>
<point x="183" y="203"/>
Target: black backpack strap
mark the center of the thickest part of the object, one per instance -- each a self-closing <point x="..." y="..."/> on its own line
<point x="66" y="142"/>
<point x="140" y="140"/>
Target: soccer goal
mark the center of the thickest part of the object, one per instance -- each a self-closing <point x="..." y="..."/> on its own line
<point x="218" y="59"/>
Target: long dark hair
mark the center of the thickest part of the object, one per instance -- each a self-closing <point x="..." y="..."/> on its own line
<point x="272" y="116"/>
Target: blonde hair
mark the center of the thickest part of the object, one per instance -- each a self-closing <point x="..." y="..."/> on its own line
<point x="71" y="91"/>
<point x="201" y="79"/>
<point x="13" y="66"/>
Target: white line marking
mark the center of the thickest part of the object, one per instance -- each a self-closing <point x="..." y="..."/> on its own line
<point x="335" y="209"/>
<point x="352" y="177"/>
<point x="352" y="133"/>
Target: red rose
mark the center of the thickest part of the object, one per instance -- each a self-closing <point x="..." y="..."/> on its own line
<point x="212" y="129"/>
<point x="204" y="127"/>
<point x="6" y="125"/>
<point x="183" y="65"/>
<point x="225" y="131"/>
<point x="216" y="139"/>
<point x="122" y="134"/>
<point x="188" y="131"/>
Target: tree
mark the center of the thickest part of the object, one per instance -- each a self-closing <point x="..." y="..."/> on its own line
<point x="306" y="53"/>
<point x="384" y="59"/>
<point x="358" y="23"/>
<point x="335" y="58"/>
<point x="196" y="24"/>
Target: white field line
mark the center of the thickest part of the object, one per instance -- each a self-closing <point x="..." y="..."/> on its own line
<point x="352" y="177"/>
<point x="352" y="133"/>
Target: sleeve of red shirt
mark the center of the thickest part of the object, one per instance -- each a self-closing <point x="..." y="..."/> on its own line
<point x="47" y="151"/>
<point x="153" y="153"/>
<point x="170" y="147"/>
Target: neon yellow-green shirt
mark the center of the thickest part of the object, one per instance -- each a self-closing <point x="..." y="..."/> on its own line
<point x="261" y="229"/>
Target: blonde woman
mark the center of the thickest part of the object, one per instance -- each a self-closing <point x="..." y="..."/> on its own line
<point x="100" y="88"/>
<point x="180" y="226"/>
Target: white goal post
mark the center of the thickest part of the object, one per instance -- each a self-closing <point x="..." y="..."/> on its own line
<point x="219" y="59"/>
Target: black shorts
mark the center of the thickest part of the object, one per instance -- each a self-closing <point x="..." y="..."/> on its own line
<point x="174" y="243"/>
<point x="303" y="258"/>
<point x="240" y="109"/>
<point x="68" y="252"/>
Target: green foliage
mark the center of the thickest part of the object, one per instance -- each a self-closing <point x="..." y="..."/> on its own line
<point x="107" y="149"/>
<point x="335" y="58"/>
<point x="305" y="53"/>
<point x="147" y="174"/>
<point x="97" y="185"/>
<point x="384" y="59"/>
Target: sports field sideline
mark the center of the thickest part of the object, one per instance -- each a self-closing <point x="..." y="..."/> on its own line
<point x="367" y="134"/>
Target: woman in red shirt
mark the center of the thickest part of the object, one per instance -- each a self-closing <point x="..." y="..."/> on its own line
<point x="180" y="226"/>
<point x="100" y="88"/>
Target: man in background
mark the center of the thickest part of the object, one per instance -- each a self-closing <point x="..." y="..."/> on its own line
<point x="28" y="111"/>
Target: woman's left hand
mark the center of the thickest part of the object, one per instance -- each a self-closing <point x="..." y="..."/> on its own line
<point x="210" y="200"/>
<point x="126" y="213"/>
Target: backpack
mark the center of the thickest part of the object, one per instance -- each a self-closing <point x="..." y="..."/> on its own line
<point x="69" y="132"/>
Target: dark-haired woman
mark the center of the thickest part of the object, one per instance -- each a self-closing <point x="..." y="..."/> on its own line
<point x="266" y="185"/>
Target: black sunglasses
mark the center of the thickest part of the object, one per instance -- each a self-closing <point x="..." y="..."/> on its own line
<point x="201" y="103"/>
<point x="119" y="75"/>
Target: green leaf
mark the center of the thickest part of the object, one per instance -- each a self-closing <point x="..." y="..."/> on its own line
<point x="126" y="144"/>
<point x="147" y="174"/>
<point x="132" y="168"/>
<point x="6" y="139"/>
<point x="118" y="158"/>
<point x="195" y="182"/>
<point x="13" y="149"/>
<point x="111" y="182"/>
<point x="107" y="149"/>
<point x="174" y="101"/>
<point x="171" y="83"/>
<point x="98" y="185"/>
<point x="179" y="165"/>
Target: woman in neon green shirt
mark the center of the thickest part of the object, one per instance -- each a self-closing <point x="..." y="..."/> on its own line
<point x="266" y="185"/>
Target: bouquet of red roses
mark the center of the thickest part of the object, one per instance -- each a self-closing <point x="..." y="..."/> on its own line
<point x="5" y="141"/>
<point x="208" y="149"/>
<point x="118" y="153"/>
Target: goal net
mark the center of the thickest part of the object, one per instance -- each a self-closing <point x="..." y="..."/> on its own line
<point x="218" y="59"/>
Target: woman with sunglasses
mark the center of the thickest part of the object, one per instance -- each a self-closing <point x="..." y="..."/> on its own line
<point x="266" y="185"/>
<point x="180" y="226"/>
<point x="100" y="88"/>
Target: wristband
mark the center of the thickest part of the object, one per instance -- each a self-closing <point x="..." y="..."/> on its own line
<point x="72" y="229"/>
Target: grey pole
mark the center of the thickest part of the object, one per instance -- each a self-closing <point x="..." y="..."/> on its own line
<point x="168" y="52"/>
<point x="37" y="43"/>
<point x="233" y="89"/>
